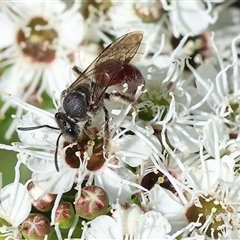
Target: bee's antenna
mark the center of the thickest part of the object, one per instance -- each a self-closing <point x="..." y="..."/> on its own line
<point x="36" y="127"/>
<point x="47" y="126"/>
<point x="56" y="152"/>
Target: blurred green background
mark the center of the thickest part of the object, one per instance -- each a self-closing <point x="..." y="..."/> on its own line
<point x="8" y="159"/>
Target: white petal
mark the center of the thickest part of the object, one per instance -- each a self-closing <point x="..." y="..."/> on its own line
<point x="133" y="150"/>
<point x="129" y="217"/>
<point x="38" y="161"/>
<point x="183" y="137"/>
<point x="57" y="76"/>
<point x="190" y="17"/>
<point x="114" y="186"/>
<point x="152" y="225"/>
<point x="17" y="77"/>
<point x="214" y="134"/>
<point x="8" y="31"/>
<point x="15" y="203"/>
<point x="55" y="182"/>
<point x="42" y="137"/>
<point x="169" y="204"/>
<point x="207" y="77"/>
<point x="206" y="177"/>
<point x="103" y="227"/>
<point x="69" y="36"/>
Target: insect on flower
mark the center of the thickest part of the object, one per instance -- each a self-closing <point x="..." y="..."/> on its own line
<point x="84" y="98"/>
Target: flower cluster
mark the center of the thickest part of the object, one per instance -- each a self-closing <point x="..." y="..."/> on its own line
<point x="131" y="148"/>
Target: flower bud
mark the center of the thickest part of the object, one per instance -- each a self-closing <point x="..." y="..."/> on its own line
<point x="65" y="215"/>
<point x="45" y="203"/>
<point x="35" y="227"/>
<point x="92" y="203"/>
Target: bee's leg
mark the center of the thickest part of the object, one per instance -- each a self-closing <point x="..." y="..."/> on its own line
<point x="123" y="98"/>
<point x="88" y="131"/>
<point x="106" y="132"/>
<point x="77" y="71"/>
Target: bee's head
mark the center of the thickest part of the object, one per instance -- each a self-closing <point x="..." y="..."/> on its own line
<point x="69" y="128"/>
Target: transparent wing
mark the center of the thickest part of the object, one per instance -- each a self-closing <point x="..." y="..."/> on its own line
<point x="107" y="65"/>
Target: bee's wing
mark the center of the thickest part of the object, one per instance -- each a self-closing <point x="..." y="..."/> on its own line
<point x="122" y="49"/>
<point x="99" y="75"/>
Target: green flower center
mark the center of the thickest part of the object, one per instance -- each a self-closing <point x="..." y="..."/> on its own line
<point x="157" y="99"/>
<point x="235" y="114"/>
<point x="209" y="207"/>
<point x="37" y="41"/>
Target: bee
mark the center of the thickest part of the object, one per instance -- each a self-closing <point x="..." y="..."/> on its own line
<point x="84" y="98"/>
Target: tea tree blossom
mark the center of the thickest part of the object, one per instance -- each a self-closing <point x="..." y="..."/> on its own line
<point x="41" y="40"/>
<point x="132" y="15"/>
<point x="15" y="207"/>
<point x="192" y="17"/>
<point x="168" y="105"/>
<point x="221" y="86"/>
<point x="39" y="47"/>
<point x="128" y="222"/>
<point x="206" y="186"/>
<point x="188" y="217"/>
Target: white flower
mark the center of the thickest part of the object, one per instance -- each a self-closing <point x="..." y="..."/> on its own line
<point x="206" y="202"/>
<point x="222" y="88"/>
<point x="167" y="106"/>
<point x="226" y="28"/>
<point x="40" y="42"/>
<point x="192" y="17"/>
<point x="14" y="208"/>
<point x="217" y="197"/>
<point x="125" y="16"/>
<point x="77" y="162"/>
<point x="128" y="222"/>
<point x="14" y="197"/>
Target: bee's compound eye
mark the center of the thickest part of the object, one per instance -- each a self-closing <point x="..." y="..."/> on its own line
<point x="63" y="94"/>
<point x="60" y="118"/>
<point x="68" y="127"/>
<point x="71" y="131"/>
<point x="71" y="134"/>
